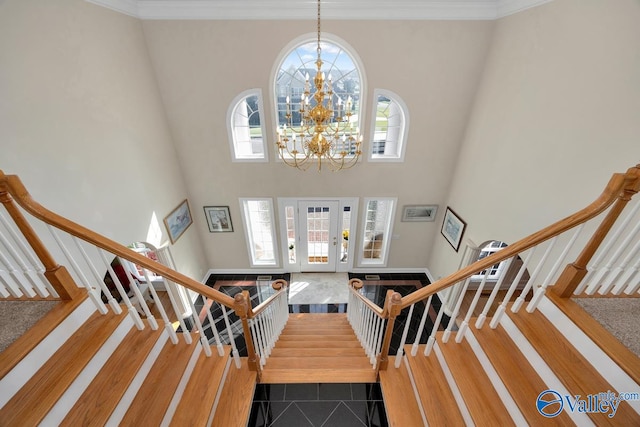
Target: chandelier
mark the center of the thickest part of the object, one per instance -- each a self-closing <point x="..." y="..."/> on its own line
<point x="324" y="134"/>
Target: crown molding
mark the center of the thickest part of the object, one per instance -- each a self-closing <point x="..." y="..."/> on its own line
<point x="297" y="10"/>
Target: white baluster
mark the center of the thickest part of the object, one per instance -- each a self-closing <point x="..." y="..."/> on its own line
<point x="93" y="293"/>
<point x="537" y="296"/>
<point x="167" y="323"/>
<point x="98" y="278"/>
<point x="196" y="320"/>
<point x="619" y="271"/>
<point x="503" y="273"/>
<point x="38" y="282"/>
<point x="456" y="310"/>
<point x="465" y="323"/>
<point x="216" y="336"/>
<point x="423" y="320"/>
<point x="12" y="279"/>
<point x="234" y="350"/>
<point x="495" y="320"/>
<point x="185" y="333"/>
<point x="602" y="252"/>
<point x="138" y="295"/>
<point x="432" y="336"/>
<point x="534" y="276"/>
<point x="400" y="351"/>
<point x="135" y="316"/>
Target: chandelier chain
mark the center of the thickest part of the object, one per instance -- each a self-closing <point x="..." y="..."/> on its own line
<point x="319" y="49"/>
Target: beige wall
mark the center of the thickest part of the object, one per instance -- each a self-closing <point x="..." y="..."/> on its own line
<point x="556" y="115"/>
<point x="82" y="121"/>
<point x="203" y="65"/>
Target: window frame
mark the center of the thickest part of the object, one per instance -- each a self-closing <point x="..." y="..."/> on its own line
<point x="231" y="127"/>
<point x="388" y="228"/>
<point x="401" y="143"/>
<point x="248" y="232"/>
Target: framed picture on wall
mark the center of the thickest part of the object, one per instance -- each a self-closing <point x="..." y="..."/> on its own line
<point x="453" y="228"/>
<point x="218" y="219"/>
<point x="416" y="213"/>
<point x="178" y="221"/>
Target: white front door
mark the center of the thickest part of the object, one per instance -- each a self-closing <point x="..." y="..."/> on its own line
<point x="319" y="242"/>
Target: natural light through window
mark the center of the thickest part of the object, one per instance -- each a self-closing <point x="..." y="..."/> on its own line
<point x="389" y="127"/>
<point x="260" y="231"/>
<point x="246" y="129"/>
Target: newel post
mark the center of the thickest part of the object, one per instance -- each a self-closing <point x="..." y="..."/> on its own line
<point x="242" y="309"/>
<point x="57" y="275"/>
<point x="573" y="273"/>
<point x="392" y="306"/>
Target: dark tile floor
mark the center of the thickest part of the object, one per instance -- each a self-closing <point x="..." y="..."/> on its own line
<point x="318" y="405"/>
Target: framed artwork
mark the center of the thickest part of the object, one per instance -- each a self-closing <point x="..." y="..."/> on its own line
<point x="416" y="213"/>
<point x="218" y="219"/>
<point x="178" y="221"/>
<point x="453" y="228"/>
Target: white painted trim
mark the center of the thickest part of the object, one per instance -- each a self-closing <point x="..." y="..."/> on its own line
<point x="611" y="372"/>
<point x="341" y="9"/>
<point x="29" y="365"/>
<point x="464" y="411"/>
<point x="542" y="369"/>
<point x="182" y="385"/>
<point x="82" y="381"/>
<point x="496" y="381"/>
<point x="416" y="394"/>
<point x="122" y="407"/>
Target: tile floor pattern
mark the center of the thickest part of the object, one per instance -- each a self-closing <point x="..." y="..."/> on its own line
<point x="318" y="405"/>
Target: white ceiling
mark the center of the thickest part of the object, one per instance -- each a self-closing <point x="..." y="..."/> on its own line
<point x="330" y="9"/>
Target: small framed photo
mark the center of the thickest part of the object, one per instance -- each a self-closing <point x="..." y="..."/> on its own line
<point x="218" y="219"/>
<point x="453" y="228"/>
<point x="416" y="213"/>
<point x="178" y="221"/>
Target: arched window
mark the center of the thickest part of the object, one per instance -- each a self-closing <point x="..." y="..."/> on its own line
<point x="246" y="130"/>
<point x="389" y="128"/>
<point x="300" y="61"/>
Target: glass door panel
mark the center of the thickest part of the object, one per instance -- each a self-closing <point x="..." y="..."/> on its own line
<point x="318" y="225"/>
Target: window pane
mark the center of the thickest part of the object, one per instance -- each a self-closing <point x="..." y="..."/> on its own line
<point x="246" y="128"/>
<point x="378" y="217"/>
<point x="260" y="229"/>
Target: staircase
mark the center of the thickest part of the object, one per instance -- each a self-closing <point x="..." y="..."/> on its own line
<point x="97" y="361"/>
<point x="318" y="348"/>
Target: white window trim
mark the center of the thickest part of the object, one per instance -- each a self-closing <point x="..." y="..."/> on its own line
<point x="274" y="233"/>
<point x="370" y="262"/>
<point x="230" y="127"/>
<point x="403" y="132"/>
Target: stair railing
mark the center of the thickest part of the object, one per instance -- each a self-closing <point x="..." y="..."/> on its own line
<point x="547" y="251"/>
<point x="87" y="253"/>
<point x="369" y="321"/>
<point x="263" y="324"/>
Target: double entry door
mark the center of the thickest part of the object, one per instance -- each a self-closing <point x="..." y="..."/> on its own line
<point x="318" y="231"/>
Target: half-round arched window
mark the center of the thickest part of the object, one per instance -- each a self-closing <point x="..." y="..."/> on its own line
<point x="389" y="127"/>
<point x="338" y="63"/>
<point x="246" y="128"/>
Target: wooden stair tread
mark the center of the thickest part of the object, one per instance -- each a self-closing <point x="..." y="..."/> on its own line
<point x="439" y="404"/>
<point x="318" y="344"/>
<point x="482" y="400"/>
<point x="323" y="317"/>
<point x="399" y="399"/>
<point x="203" y="387"/>
<point x="306" y="376"/>
<point x="155" y="393"/>
<point x="237" y="397"/>
<point x="618" y="352"/>
<point x="327" y="362"/>
<point x="316" y="352"/>
<point x="34" y="400"/>
<point x="571" y="367"/>
<point x="13" y="354"/>
<point x="94" y="407"/>
<point x="304" y="330"/>
<point x="318" y="337"/>
<point x="517" y="374"/>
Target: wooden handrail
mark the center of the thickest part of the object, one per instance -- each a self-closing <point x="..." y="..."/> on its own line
<point x="619" y="186"/>
<point x="12" y="185"/>
<point x="354" y="285"/>
<point x="281" y="286"/>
